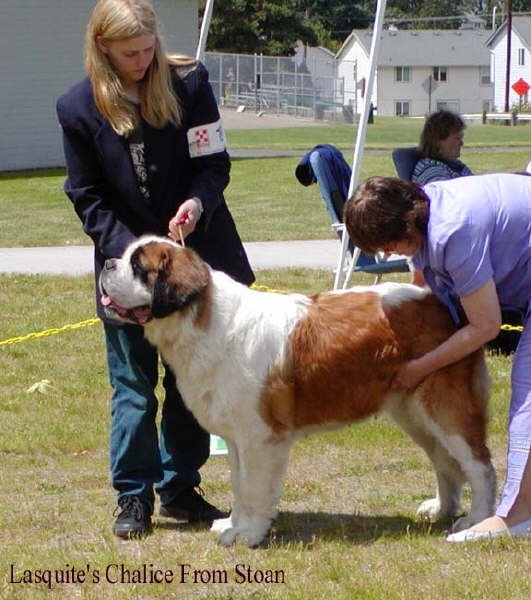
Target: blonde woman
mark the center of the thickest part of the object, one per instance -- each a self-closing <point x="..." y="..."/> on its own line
<point x="145" y="153"/>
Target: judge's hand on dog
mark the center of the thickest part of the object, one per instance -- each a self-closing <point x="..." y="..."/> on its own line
<point x="409" y="376"/>
<point x="187" y="216"/>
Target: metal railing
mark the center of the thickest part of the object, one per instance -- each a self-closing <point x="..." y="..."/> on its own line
<point x="279" y="85"/>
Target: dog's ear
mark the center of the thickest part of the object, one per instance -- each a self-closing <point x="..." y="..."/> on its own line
<point x="181" y="279"/>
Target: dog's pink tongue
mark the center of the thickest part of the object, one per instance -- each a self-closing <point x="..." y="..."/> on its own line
<point x="142" y="314"/>
<point x="105" y="300"/>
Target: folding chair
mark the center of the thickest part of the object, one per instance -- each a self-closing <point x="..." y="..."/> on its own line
<point x="326" y="166"/>
<point x="405" y="160"/>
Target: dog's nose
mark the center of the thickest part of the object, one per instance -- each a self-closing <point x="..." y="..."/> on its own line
<point x="110" y="264"/>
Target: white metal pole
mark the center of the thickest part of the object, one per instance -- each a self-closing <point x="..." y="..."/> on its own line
<point x="205" y="26"/>
<point x="362" y="128"/>
<point x="360" y="143"/>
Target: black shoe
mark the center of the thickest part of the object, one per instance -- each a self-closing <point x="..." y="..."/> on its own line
<point x="134" y="519"/>
<point x="189" y="505"/>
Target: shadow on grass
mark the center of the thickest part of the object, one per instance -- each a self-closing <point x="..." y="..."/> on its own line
<point x="357" y="529"/>
<point x="306" y="527"/>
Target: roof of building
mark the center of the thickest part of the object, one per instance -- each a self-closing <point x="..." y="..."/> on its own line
<point x="520" y="25"/>
<point x="425" y="47"/>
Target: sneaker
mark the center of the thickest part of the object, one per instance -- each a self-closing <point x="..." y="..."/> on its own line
<point x="134" y="519"/>
<point x="189" y="505"/>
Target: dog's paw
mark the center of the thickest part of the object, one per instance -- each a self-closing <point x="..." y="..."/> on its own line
<point x="429" y="510"/>
<point x="228" y="537"/>
<point x="463" y="523"/>
<point x="251" y="539"/>
<point x="221" y="525"/>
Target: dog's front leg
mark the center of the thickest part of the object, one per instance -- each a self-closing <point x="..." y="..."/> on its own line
<point x="257" y="475"/>
<point x="226" y="526"/>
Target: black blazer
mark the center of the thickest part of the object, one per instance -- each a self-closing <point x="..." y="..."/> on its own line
<point x="103" y="186"/>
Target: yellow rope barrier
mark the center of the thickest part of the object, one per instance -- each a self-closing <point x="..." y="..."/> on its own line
<point x="505" y="327"/>
<point x="89" y="322"/>
<point x="264" y="288"/>
<point x="47" y="332"/>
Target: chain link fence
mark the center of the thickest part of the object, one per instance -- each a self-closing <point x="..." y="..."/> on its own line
<point x="279" y="84"/>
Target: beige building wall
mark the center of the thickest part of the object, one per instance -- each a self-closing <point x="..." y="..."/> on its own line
<point x="41" y="56"/>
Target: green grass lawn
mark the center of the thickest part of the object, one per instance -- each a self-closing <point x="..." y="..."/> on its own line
<point x="266" y="199"/>
<point x="384" y="133"/>
<point x="346" y="528"/>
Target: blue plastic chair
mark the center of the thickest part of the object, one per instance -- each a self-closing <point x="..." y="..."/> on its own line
<point x="326" y="166"/>
<point x="405" y="160"/>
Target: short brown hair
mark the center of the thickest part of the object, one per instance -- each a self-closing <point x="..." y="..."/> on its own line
<point x="377" y="213"/>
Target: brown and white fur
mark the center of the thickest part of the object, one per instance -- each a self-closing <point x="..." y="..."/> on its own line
<point x="263" y="369"/>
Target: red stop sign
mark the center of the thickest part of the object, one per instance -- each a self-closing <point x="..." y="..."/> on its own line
<point x="521" y="87"/>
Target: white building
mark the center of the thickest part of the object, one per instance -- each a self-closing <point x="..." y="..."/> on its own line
<point x="41" y="56"/>
<point x="419" y="71"/>
<point x="520" y="61"/>
<point x="320" y="64"/>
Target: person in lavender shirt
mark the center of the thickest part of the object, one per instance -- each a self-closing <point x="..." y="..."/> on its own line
<point x="470" y="240"/>
<point x="440" y="146"/>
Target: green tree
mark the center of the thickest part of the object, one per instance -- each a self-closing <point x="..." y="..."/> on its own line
<point x="249" y="26"/>
<point x="274" y="26"/>
<point x="280" y="27"/>
<point x="429" y="14"/>
<point x="232" y="29"/>
<point x="339" y="17"/>
<point x="521" y="5"/>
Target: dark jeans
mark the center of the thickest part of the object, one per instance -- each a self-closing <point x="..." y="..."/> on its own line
<point x="139" y="458"/>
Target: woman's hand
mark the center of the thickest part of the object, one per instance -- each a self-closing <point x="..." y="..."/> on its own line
<point x="482" y="309"/>
<point x="185" y="220"/>
<point x="409" y="376"/>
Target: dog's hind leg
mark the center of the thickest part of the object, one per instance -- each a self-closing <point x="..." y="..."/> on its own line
<point x="450" y="478"/>
<point x="257" y="487"/>
<point x="480" y="474"/>
<point x="466" y="449"/>
<point x="457" y="457"/>
<point x="457" y="462"/>
<point x="459" y="420"/>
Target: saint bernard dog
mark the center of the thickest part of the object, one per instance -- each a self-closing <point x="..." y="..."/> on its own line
<point x="262" y="369"/>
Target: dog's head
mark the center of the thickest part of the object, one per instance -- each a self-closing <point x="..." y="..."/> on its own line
<point x="154" y="278"/>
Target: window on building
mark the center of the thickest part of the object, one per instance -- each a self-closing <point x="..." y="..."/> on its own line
<point x="440" y="73"/>
<point x="451" y="105"/>
<point x="402" y="74"/>
<point x="484" y="76"/>
<point x="402" y="108"/>
<point x="521" y="56"/>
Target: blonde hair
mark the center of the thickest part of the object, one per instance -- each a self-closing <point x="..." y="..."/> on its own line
<point x="116" y="20"/>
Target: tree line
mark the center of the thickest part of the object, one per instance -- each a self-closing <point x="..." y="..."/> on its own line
<point x="272" y="27"/>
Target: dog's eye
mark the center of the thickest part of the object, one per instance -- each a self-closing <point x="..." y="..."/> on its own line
<point x="138" y="270"/>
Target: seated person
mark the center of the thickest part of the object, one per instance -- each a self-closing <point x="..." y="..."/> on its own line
<point x="440" y="146"/>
